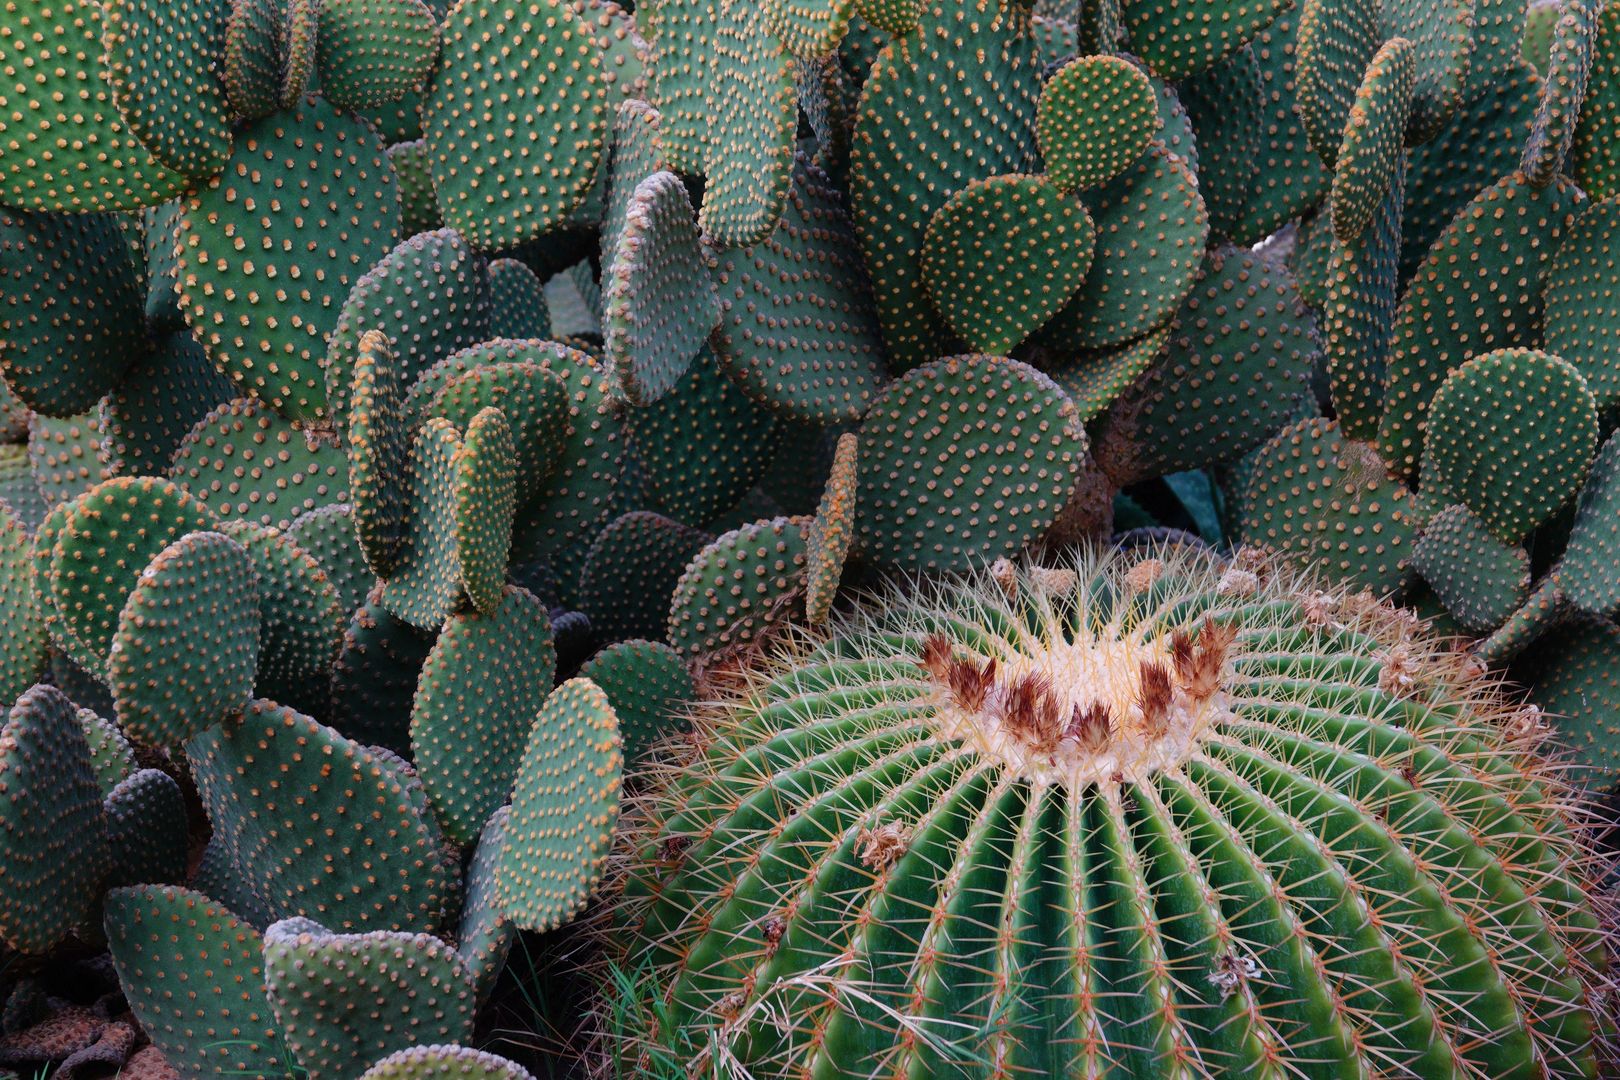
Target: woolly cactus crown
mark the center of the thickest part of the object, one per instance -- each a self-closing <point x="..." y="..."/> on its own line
<point x="1143" y="809"/>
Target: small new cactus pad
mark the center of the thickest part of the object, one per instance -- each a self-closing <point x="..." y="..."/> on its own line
<point x="1327" y="502"/>
<point x="564" y="806"/>
<point x="426" y="585"/>
<point x="105" y="539"/>
<point x="1582" y="322"/>
<point x="658" y="301"/>
<point x="514" y="134"/>
<point x="169" y="681"/>
<point x="374" y="676"/>
<point x="1586" y="573"/>
<point x="445" y="1063"/>
<point x="327" y="536"/>
<point x="1480" y="579"/>
<point x="53" y="835"/>
<point x="1577" y="687"/>
<point x="342" y="1001"/>
<point x="1478" y="289"/>
<point x="303" y="849"/>
<point x="378" y="452"/>
<point x="262" y="289"/>
<point x="827" y="541"/>
<point x="300" y="620"/>
<point x="68" y="147"/>
<point x="71" y="302"/>
<point x="635" y="153"/>
<point x="485" y="935"/>
<point x="429" y="297"/>
<point x="921" y="135"/>
<point x="1096" y="377"/>
<point x="1546" y="609"/>
<point x="932" y="839"/>
<point x="630" y="572"/>
<point x="160" y="62"/>
<point x="244" y="461"/>
<point x="477" y="694"/>
<point x="649" y="688"/>
<point x="111" y="756"/>
<point x="194" y="976"/>
<point x="532" y="397"/>
<point x="371" y="53"/>
<point x="23" y="638"/>
<point x="739" y="590"/>
<point x="303" y="23"/>
<point x="1358" y="313"/>
<point x="1511" y="434"/>
<point x="963" y="459"/>
<point x="146" y="830"/>
<point x="485" y="496"/>
<point x="797" y="329"/>
<point x="1095" y="118"/>
<point x="1569" y="65"/>
<point x="1374" y="138"/>
<point x="809" y="28"/>
<point x="1594" y="161"/>
<point x="418" y="206"/>
<point x="517" y="301"/>
<point x="254" y="57"/>
<point x="1004" y="255"/>
<point x="1151" y="227"/>
<point x="157" y="403"/>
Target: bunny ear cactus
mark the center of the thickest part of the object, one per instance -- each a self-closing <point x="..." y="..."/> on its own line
<point x="1229" y="797"/>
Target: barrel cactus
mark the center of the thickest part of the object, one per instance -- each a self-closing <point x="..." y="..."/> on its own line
<point x="1145" y="815"/>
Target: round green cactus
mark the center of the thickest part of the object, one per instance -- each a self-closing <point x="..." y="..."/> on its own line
<point x="1150" y="810"/>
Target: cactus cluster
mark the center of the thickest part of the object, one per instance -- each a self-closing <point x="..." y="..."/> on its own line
<point x="883" y="537"/>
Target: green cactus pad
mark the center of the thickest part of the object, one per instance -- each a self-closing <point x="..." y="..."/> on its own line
<point x="740" y="590"/>
<point x="446" y="1062"/>
<point x="485" y="935"/>
<point x="649" y="687"/>
<point x="1235" y="368"/>
<point x="1576" y="685"/>
<point x="425" y="585"/>
<point x="1511" y="435"/>
<point x="1480" y="579"/>
<point x="963" y="460"/>
<point x="327" y="535"/>
<point x="1325" y="502"/>
<point x="658" y="300"/>
<point x="160" y="57"/>
<point x="849" y="812"/>
<point x="1097" y="377"/>
<point x="303" y="24"/>
<point x="478" y="693"/>
<point x="67" y="145"/>
<point x="343" y="1001"/>
<point x="1226" y="105"/>
<point x="1569" y="67"/>
<point x="157" y="403"/>
<point x="631" y="571"/>
<point x="636" y="153"/>
<point x="1002" y="256"/>
<point x="532" y="396"/>
<point x="371" y="53"/>
<point x="418" y="205"/>
<point x="111" y="756"/>
<point x="374" y="677"/>
<point x="67" y="457"/>
<point x="1358" y="314"/>
<point x="1177" y="38"/>
<point x="517" y="301"/>
<point x="377" y="435"/>
<point x="187" y="645"/>
<point x="564" y="806"/>
<point x="1582" y="323"/>
<point x="1337" y="39"/>
<point x="263" y="290"/>
<point x="146" y="830"/>
<point x="53" y="835"/>
<point x="429" y="296"/>
<point x="1151" y="228"/>
<point x="1373" y="138"/>
<point x="1546" y="609"/>
<point x="1479" y="289"/>
<point x="300" y="620"/>
<point x="106" y="538"/>
<point x="797" y="330"/>
<point x="244" y="461"/>
<point x="515" y="135"/>
<point x="1096" y="117"/>
<point x="1594" y="161"/>
<point x="749" y="158"/>
<point x="828" y="538"/>
<point x="1480" y="146"/>
<point x="18" y="489"/>
<point x="23" y="639"/>
<point x="194" y="977"/>
<point x="810" y="29"/>
<point x="72" y="303"/>
<point x="703" y="444"/>
<point x="1535" y="43"/>
<point x="922" y="133"/>
<point x="1586" y="573"/>
<point x="255" y="57"/>
<point x="303" y="849"/>
<point x="484" y="498"/>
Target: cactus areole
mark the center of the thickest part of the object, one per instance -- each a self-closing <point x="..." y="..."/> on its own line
<point x="1144" y="815"/>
